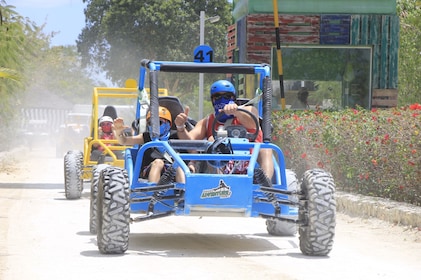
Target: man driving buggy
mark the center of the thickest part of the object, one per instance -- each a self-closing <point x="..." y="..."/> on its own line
<point x="223" y="96"/>
<point x="154" y="163"/>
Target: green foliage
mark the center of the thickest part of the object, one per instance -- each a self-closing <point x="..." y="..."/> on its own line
<point x="409" y="70"/>
<point x="118" y="34"/>
<point x="18" y="37"/>
<point x="57" y="71"/>
<point x="31" y="71"/>
<point x="376" y="153"/>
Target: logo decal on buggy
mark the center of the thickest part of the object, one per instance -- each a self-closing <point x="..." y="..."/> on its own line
<point x="222" y="191"/>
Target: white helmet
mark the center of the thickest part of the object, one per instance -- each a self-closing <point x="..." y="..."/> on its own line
<point x="105" y="119"/>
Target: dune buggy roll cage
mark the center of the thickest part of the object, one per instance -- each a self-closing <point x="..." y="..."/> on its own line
<point x="282" y="200"/>
<point x="262" y="70"/>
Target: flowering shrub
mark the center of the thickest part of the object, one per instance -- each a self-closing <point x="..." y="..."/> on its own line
<point x="376" y="153"/>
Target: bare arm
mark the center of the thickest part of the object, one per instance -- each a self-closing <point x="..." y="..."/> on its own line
<point x="118" y="128"/>
<point x="244" y="118"/>
<point x="197" y="133"/>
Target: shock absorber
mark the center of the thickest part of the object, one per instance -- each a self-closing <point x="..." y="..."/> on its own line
<point x="262" y="179"/>
<point x="167" y="177"/>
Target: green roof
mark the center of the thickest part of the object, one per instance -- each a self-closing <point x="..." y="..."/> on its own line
<point x="242" y="8"/>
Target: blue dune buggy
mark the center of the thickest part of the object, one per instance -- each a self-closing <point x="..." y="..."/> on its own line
<point x="307" y="205"/>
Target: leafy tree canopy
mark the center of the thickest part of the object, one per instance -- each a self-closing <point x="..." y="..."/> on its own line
<point x="118" y="34"/>
<point x="33" y="74"/>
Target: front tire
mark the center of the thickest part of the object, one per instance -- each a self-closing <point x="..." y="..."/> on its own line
<point x="96" y="172"/>
<point x="113" y="211"/>
<point x="317" y="213"/>
<point x="73" y="181"/>
<point x="283" y="228"/>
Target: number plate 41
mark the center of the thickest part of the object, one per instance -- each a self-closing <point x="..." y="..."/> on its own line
<point x="203" y="53"/>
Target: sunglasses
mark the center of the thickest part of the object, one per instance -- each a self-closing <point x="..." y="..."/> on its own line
<point x="161" y="121"/>
<point x="227" y="95"/>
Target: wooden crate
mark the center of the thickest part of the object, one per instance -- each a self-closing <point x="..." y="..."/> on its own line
<point x="384" y="98"/>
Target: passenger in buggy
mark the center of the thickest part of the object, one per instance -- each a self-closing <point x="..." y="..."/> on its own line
<point x="154" y="163"/>
<point x="105" y="132"/>
<point x="223" y="96"/>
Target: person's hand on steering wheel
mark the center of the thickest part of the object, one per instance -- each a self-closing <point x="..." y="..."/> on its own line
<point x="230" y="109"/>
<point x="237" y="130"/>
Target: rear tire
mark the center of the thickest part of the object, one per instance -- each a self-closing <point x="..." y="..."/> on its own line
<point x="317" y="213"/>
<point x="73" y="181"/>
<point x="96" y="173"/>
<point x="283" y="228"/>
<point x="113" y="211"/>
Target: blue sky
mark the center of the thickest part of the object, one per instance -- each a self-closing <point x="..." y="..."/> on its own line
<point x="63" y="16"/>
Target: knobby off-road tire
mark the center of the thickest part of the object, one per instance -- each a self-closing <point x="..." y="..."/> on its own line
<point x="73" y="181"/>
<point x="318" y="213"/>
<point x="96" y="172"/>
<point x="283" y="228"/>
<point x="113" y="211"/>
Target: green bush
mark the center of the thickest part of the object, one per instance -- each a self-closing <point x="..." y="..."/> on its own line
<point x="375" y="153"/>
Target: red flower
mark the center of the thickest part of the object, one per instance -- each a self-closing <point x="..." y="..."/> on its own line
<point x="303" y="155"/>
<point x="385" y="138"/>
<point x="415" y="106"/>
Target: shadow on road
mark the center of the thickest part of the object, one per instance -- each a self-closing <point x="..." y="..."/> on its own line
<point x="41" y="186"/>
<point x="188" y="245"/>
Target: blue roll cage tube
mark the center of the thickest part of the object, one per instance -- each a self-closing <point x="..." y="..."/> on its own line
<point x="264" y="108"/>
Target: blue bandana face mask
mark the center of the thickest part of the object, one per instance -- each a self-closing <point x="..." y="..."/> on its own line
<point x="164" y="130"/>
<point x="220" y="104"/>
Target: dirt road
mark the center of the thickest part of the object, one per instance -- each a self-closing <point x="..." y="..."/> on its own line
<point x="44" y="236"/>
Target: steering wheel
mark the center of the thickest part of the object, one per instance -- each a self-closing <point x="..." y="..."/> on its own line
<point x="237" y="131"/>
<point x="219" y="146"/>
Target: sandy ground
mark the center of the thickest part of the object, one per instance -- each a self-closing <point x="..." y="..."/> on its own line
<point x="45" y="236"/>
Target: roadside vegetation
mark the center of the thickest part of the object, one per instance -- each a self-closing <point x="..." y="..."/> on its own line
<point x="375" y="153"/>
<point x="370" y="152"/>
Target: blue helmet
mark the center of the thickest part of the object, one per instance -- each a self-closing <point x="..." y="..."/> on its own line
<point x="222" y="86"/>
<point x="227" y="91"/>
